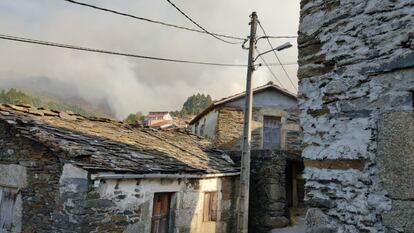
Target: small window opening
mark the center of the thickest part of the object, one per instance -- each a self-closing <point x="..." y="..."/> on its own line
<point x="210" y="207"/>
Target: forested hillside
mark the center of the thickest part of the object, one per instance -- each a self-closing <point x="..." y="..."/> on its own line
<point x="14" y="96"/>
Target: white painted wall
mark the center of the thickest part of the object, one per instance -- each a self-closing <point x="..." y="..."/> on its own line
<point x="208" y="123"/>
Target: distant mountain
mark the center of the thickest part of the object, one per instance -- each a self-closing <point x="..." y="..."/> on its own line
<point x="47" y="100"/>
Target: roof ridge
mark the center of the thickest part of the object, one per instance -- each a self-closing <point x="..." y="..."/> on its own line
<point x="269" y="84"/>
<point x="241" y="95"/>
<point x="44" y="111"/>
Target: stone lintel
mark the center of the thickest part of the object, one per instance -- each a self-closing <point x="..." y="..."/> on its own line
<point x="357" y="164"/>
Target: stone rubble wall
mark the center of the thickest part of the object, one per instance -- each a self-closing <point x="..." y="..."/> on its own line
<point x="268" y="201"/>
<point x="356" y="63"/>
<point x="230" y="128"/>
<point x="40" y="209"/>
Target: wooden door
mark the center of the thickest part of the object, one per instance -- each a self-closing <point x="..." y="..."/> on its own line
<point x="160" y="213"/>
<point x="271" y="132"/>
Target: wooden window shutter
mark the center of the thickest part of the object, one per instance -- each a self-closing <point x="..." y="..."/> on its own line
<point x="210" y="207"/>
<point x="213" y="206"/>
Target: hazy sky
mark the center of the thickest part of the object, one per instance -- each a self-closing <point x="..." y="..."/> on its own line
<point x="129" y="84"/>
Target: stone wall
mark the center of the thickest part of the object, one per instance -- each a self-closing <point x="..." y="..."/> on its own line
<point x="268" y="201"/>
<point x="126" y="205"/>
<point x="40" y="193"/>
<point x="396" y="167"/>
<point x="230" y="128"/>
<point x="54" y="196"/>
<point x="356" y="64"/>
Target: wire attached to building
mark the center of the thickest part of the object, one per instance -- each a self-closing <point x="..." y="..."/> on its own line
<point x="277" y="57"/>
<point x="199" y="26"/>
<point x="154" y="21"/>
<point x="270" y="69"/>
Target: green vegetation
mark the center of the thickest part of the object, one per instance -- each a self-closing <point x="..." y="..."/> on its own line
<point x="195" y="104"/>
<point x="14" y="96"/>
<point x="132" y="118"/>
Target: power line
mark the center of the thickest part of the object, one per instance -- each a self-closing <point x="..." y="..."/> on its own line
<point x="154" y="21"/>
<point x="277" y="57"/>
<point x="198" y="25"/>
<point x="271" y="71"/>
<point x="74" y="47"/>
<point x="277" y="37"/>
<point x="284" y="64"/>
<point x="53" y="44"/>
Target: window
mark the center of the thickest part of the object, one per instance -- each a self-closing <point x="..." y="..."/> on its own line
<point x="161" y="213"/>
<point x="271" y="132"/>
<point x="210" y="207"/>
<point x="7" y="206"/>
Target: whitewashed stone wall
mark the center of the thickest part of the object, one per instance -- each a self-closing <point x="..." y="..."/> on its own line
<point x="356" y="63"/>
<point x="127" y="205"/>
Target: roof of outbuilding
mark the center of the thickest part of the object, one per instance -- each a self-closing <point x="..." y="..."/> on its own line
<point x="268" y="86"/>
<point x="106" y="145"/>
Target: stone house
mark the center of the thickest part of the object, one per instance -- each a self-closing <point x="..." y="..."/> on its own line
<point x="275" y="120"/>
<point x="62" y="172"/>
<point x="276" y="143"/>
<point x="356" y="96"/>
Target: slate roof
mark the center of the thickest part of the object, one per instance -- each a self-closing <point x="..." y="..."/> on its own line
<point x="100" y="144"/>
<point x="216" y="103"/>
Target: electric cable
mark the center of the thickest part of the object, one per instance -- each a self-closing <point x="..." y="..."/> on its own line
<point x="277" y="57"/>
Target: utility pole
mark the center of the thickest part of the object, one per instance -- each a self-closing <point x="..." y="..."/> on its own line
<point x="243" y="212"/>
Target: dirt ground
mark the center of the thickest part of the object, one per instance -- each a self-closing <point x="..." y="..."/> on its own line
<point x="298" y="228"/>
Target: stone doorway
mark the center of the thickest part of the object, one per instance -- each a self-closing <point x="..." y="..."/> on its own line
<point x="295" y="190"/>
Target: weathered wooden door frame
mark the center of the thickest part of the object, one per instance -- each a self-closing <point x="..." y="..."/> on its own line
<point x="168" y="216"/>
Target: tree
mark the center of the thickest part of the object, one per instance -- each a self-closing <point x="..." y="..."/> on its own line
<point x="175" y="113"/>
<point x="14" y="96"/>
<point x="140" y="116"/>
<point x="131" y="119"/>
<point x="3" y="96"/>
<point x="195" y="104"/>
